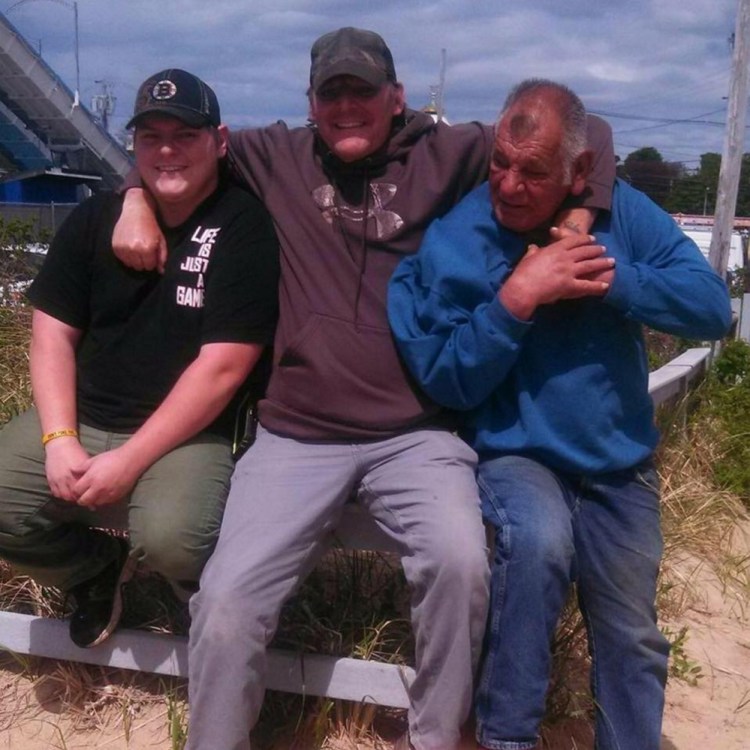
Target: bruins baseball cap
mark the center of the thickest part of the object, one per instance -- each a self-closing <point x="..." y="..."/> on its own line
<point x="353" y="52"/>
<point x="179" y="94"/>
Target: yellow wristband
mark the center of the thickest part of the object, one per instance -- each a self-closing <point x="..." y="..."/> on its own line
<point x="58" y="433"/>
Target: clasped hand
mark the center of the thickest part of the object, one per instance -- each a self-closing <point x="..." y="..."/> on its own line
<point x="569" y="268"/>
<point x="89" y="481"/>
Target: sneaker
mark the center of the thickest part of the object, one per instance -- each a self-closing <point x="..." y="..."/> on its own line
<point x="99" y="601"/>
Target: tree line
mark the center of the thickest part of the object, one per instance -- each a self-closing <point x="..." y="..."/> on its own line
<point x="678" y="189"/>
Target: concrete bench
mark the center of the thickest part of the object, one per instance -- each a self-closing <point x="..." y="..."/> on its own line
<point x="310" y="674"/>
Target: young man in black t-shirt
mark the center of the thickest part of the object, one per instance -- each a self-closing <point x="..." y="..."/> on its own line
<point x="134" y="373"/>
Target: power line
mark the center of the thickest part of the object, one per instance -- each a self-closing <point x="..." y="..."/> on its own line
<point x="663" y="120"/>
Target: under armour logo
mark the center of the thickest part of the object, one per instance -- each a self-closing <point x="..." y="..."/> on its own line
<point x="387" y="223"/>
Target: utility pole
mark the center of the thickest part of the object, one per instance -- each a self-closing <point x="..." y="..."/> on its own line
<point x="731" y="159"/>
<point x="103" y="103"/>
<point x="441" y="87"/>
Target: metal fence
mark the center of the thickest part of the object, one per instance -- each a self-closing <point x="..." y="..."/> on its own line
<point x="46" y="218"/>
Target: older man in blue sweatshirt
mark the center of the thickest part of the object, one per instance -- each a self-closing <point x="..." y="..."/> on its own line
<point x="542" y="348"/>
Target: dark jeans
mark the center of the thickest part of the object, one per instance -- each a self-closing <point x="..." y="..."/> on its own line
<point x="549" y="528"/>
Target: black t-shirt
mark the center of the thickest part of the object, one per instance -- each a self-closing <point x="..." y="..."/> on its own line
<point x="142" y="329"/>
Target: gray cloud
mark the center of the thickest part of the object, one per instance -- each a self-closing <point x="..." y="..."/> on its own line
<point x="656" y="59"/>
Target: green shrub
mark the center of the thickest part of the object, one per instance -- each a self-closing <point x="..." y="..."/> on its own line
<point x="723" y="411"/>
<point x="733" y="364"/>
<point x="681" y="665"/>
<point x="16" y="264"/>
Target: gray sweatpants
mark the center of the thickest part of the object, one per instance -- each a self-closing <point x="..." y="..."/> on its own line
<point x="173" y="513"/>
<point x="286" y="495"/>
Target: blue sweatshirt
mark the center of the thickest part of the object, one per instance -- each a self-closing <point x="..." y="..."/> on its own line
<point x="569" y="388"/>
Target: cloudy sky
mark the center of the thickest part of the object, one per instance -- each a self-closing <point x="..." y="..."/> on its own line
<point x="657" y="70"/>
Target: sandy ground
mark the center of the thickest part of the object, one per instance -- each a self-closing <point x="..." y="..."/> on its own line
<point x="713" y="714"/>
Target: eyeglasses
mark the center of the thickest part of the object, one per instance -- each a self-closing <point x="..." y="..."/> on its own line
<point x="362" y="91"/>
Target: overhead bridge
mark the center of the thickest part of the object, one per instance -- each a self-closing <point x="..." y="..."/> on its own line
<point x="42" y="126"/>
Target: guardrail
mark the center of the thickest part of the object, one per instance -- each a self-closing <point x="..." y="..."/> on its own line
<point x="311" y="674"/>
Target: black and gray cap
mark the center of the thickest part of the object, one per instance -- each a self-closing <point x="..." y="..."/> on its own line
<point x="179" y="94"/>
<point x="353" y="52"/>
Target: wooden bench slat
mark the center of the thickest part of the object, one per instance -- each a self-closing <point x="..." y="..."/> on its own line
<point x="161" y="653"/>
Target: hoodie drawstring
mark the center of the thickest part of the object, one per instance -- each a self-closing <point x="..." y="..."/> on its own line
<point x="363" y="250"/>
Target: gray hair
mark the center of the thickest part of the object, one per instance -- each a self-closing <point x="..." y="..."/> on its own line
<point x="561" y="100"/>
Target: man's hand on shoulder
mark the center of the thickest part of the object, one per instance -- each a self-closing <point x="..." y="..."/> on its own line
<point x="137" y="239"/>
<point x="567" y="269"/>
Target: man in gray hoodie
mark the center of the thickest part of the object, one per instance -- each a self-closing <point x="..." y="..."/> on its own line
<point x="342" y="419"/>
